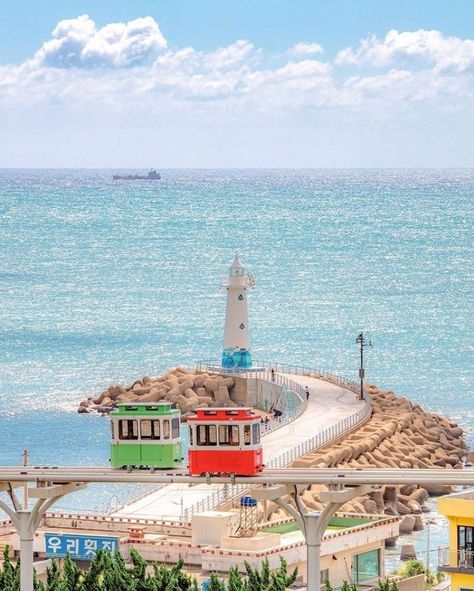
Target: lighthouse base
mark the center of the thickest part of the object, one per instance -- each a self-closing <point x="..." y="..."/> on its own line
<point x="236" y="359"/>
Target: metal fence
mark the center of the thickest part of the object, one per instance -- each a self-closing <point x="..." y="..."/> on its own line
<point x="288" y="457"/>
<point x="263" y="367"/>
<point x="456" y="560"/>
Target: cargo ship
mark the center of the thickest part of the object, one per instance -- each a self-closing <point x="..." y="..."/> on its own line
<point x="151" y="176"/>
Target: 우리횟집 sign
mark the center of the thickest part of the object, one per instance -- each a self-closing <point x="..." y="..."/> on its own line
<point x="79" y="547"/>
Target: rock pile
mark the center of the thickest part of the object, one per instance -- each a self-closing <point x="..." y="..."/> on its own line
<point x="185" y="390"/>
<point x="399" y="434"/>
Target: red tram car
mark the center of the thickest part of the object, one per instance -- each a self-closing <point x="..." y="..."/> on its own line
<point x="225" y="441"/>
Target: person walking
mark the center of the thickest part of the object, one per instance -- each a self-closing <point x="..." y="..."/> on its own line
<point x="307" y="392"/>
<point x="273" y="375"/>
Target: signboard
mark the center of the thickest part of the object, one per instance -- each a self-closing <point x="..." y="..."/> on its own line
<point x="77" y="546"/>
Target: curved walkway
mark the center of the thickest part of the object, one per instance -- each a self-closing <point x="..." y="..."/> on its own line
<point x="328" y="404"/>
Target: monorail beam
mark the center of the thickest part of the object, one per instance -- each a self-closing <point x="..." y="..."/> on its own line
<point x="329" y="476"/>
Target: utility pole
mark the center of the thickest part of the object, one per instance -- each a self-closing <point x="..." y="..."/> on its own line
<point x="25" y="487"/>
<point x="362" y="341"/>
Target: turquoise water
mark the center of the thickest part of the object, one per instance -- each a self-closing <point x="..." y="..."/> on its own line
<point x="102" y="282"/>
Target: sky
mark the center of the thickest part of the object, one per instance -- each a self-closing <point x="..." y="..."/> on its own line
<point x="240" y="83"/>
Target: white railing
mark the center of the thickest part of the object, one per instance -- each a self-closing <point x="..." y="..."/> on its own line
<point x="455" y="560"/>
<point x="211" y="366"/>
<point x="322" y="438"/>
<point x="264" y="372"/>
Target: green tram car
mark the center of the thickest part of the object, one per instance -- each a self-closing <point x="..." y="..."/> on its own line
<point x="146" y="434"/>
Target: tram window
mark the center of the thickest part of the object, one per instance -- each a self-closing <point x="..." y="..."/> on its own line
<point x="174" y="428"/>
<point x="156" y="429"/>
<point x="145" y="429"/>
<point x="256" y="432"/>
<point x="128" y="429"/>
<point x="247" y="438"/>
<point x="166" y="429"/>
<point x="191" y="436"/>
<point x="229" y="435"/>
<point x="206" y="435"/>
<point x="112" y="428"/>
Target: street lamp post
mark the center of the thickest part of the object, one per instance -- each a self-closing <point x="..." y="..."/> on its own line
<point x="362" y="341"/>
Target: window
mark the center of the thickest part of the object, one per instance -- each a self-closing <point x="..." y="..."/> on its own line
<point x="206" y="435"/>
<point x="145" y="429"/>
<point x="166" y="429"/>
<point x="128" y="429"/>
<point x="365" y="566"/>
<point x="191" y="435"/>
<point x="324" y="575"/>
<point x="466" y="546"/>
<point x="174" y="428"/>
<point x="247" y="438"/>
<point x="149" y="429"/>
<point x="229" y="435"/>
<point x="256" y="433"/>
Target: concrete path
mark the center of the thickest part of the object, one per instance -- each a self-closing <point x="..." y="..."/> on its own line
<point x="327" y="405"/>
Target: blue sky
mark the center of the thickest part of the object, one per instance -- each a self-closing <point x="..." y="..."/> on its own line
<point x="236" y="83"/>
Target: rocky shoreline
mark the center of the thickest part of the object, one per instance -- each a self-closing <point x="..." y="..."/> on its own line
<point x="399" y="434"/>
<point x="185" y="390"/>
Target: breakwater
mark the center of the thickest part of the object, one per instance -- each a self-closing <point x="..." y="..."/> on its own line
<point x="399" y="434"/>
<point x="184" y="389"/>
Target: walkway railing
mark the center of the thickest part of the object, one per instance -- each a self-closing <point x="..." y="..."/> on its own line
<point x="322" y="438"/>
<point x="260" y="367"/>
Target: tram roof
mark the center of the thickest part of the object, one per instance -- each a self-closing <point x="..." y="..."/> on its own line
<point x="224" y="414"/>
<point x="145" y="408"/>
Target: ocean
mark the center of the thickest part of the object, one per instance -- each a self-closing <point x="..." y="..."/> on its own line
<point x="105" y="281"/>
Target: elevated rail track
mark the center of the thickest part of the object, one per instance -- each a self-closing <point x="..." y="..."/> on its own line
<point x="329" y="476"/>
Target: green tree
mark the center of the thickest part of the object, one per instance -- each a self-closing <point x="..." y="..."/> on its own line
<point x="235" y="582"/>
<point x="215" y="584"/>
<point x="71" y="576"/>
<point x="53" y="577"/>
<point x="411" y="568"/>
<point x="327" y="585"/>
<point x="7" y="575"/>
<point x="92" y="578"/>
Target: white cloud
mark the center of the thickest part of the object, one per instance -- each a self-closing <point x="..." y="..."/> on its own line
<point x="226" y="57"/>
<point x="79" y="43"/>
<point x="125" y="64"/>
<point x="304" y="48"/>
<point x="445" y="53"/>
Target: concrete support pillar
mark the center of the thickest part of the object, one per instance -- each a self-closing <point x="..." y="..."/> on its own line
<point x="313" y="524"/>
<point x="313" y="550"/>
<point x="26" y="535"/>
<point x="26" y="521"/>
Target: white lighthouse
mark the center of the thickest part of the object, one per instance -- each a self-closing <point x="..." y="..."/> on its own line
<point x="236" y="332"/>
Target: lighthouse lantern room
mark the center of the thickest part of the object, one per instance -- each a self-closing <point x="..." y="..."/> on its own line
<point x="236" y="332"/>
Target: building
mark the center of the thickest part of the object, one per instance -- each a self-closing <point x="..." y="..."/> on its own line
<point x="352" y="546"/>
<point x="458" y="559"/>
